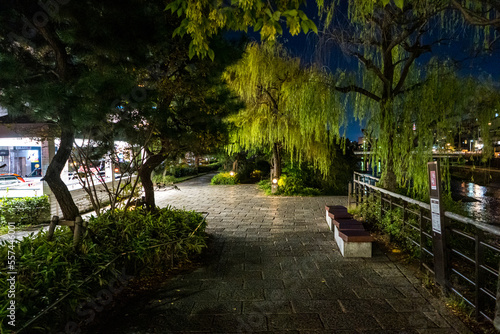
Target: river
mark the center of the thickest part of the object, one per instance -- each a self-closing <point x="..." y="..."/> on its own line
<point x="486" y="208"/>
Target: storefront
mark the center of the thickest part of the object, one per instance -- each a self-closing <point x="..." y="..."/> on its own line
<point x="20" y="156"/>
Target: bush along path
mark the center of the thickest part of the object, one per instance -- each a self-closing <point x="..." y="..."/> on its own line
<point x="116" y="246"/>
<point x="274" y="267"/>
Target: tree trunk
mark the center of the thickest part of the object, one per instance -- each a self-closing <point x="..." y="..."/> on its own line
<point x="389" y="128"/>
<point x="53" y="174"/>
<point x="276" y="172"/>
<point x="389" y="177"/>
<point x="145" y="174"/>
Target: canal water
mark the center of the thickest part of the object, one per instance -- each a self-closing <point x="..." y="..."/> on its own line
<point x="485" y="206"/>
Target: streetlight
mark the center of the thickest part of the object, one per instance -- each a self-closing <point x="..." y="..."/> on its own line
<point x="274" y="185"/>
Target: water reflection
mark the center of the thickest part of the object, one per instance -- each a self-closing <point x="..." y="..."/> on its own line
<point x="486" y="208"/>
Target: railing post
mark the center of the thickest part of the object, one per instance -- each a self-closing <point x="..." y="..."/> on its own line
<point x="496" y="321"/>
<point x="479" y="260"/>
<point x="349" y="190"/>
<point x="405" y="215"/>
<point x="381" y="205"/>
<point x="420" y="219"/>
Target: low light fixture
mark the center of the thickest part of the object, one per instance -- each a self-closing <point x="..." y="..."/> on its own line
<point x="116" y="170"/>
<point x="275" y="180"/>
<point x="231" y="173"/>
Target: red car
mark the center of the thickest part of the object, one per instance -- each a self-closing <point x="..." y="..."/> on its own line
<point x="10" y="178"/>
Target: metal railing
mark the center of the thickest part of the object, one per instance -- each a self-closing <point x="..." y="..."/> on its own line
<point x="472" y="248"/>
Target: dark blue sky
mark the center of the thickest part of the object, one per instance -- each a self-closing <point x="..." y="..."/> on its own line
<point x="458" y="46"/>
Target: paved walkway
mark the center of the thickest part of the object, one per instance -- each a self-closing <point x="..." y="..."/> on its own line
<point x="277" y="269"/>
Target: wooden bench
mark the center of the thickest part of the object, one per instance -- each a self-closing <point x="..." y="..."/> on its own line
<point x="350" y="235"/>
<point x="334" y="212"/>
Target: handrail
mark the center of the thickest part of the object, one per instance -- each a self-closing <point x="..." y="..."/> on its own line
<point x="368" y="176"/>
<point x="465" y="269"/>
<point x="482" y="226"/>
<point x="404" y="198"/>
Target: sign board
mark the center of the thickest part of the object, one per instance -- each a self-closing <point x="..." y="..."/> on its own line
<point x="4" y="153"/>
<point x="435" y="195"/>
<point x="435" y="215"/>
<point x="437" y="218"/>
<point x="433" y="180"/>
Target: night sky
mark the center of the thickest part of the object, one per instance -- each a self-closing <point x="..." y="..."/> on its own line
<point x="458" y="46"/>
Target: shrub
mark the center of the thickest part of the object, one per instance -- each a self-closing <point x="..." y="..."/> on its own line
<point x="167" y="179"/>
<point x="290" y="185"/>
<point x="390" y="223"/>
<point x="25" y="211"/>
<point x="47" y="270"/>
<point x="256" y="175"/>
<point x="184" y="170"/>
<point x="294" y="186"/>
<point x="209" y="168"/>
<point x="225" y="178"/>
<point x="266" y="186"/>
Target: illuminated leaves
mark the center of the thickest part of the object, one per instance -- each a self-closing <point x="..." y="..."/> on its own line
<point x="286" y="103"/>
<point x="262" y="16"/>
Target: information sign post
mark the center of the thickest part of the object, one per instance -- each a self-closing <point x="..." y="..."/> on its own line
<point x="438" y="224"/>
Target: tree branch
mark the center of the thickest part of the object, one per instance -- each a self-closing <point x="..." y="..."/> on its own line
<point x="357" y="89"/>
<point x="59" y="51"/>
<point x="371" y="66"/>
<point x="474" y="18"/>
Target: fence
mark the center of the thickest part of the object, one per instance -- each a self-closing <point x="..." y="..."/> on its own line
<point x="472" y="248"/>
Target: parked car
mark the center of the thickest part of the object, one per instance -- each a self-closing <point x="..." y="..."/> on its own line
<point x="10" y="178"/>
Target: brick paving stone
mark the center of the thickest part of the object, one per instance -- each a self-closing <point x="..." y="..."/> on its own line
<point x="365" y="306"/>
<point x="295" y="321"/>
<point x="360" y="321"/>
<point x="276" y="268"/>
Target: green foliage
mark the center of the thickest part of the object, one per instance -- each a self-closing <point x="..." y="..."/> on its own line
<point x="294" y="186"/>
<point x="286" y="104"/>
<point x="25" y="211"/>
<point x="49" y="269"/>
<point x="204" y="19"/>
<point x="265" y="185"/>
<point x="289" y="185"/>
<point x="390" y="222"/>
<point x="210" y="167"/>
<point x="225" y="178"/>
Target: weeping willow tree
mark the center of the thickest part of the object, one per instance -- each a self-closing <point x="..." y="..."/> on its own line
<point x="386" y="40"/>
<point x="289" y="108"/>
<point x="429" y="119"/>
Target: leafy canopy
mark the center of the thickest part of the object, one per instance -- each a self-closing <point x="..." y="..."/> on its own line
<point x="204" y="19"/>
<point x="286" y="104"/>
